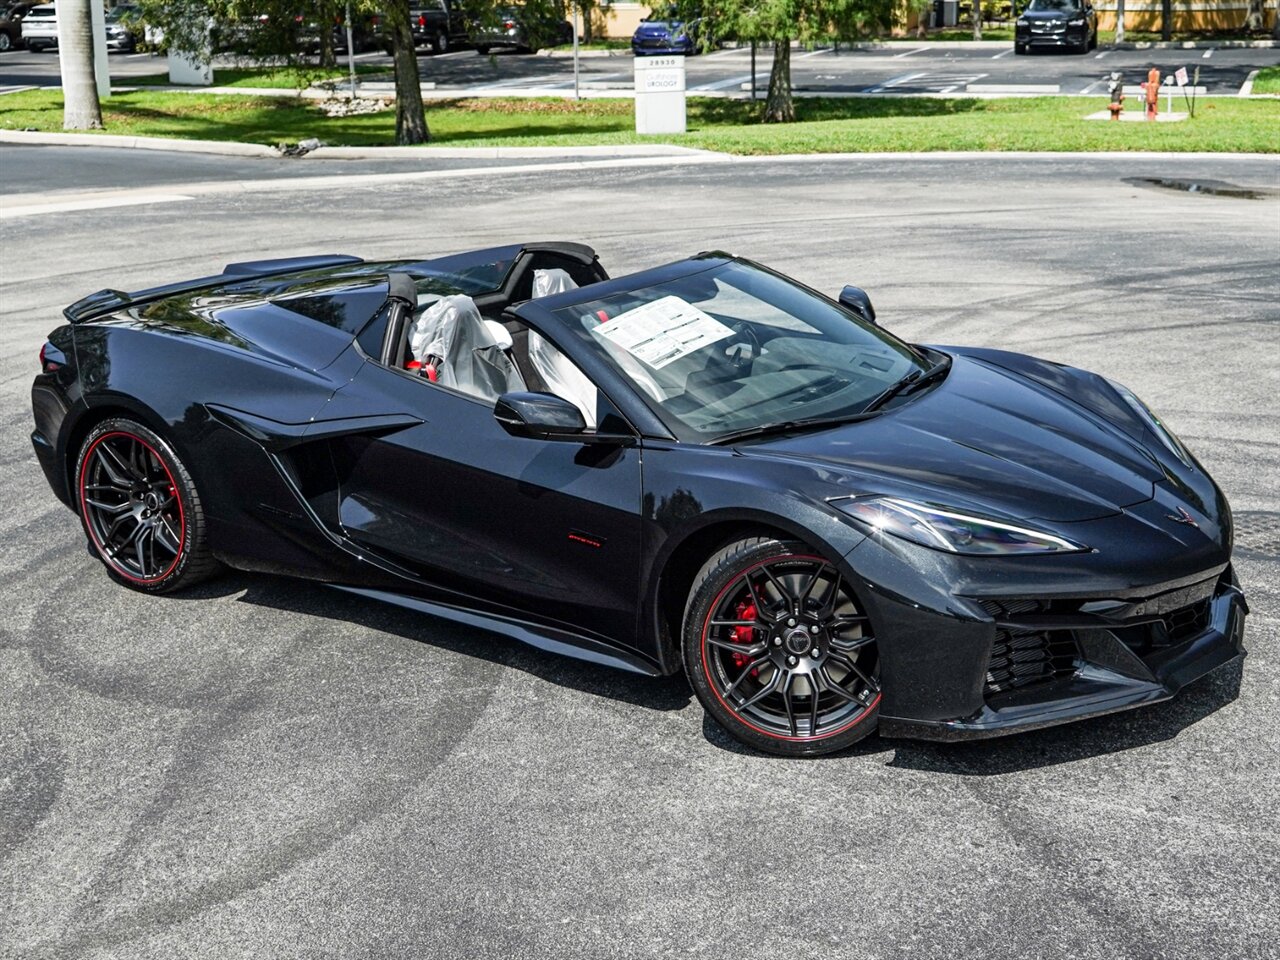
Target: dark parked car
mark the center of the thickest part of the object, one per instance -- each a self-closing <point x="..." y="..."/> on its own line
<point x="704" y="466"/>
<point x="1069" y="24"/>
<point x="527" y="30"/>
<point x="669" y="36"/>
<point x="11" y="17"/>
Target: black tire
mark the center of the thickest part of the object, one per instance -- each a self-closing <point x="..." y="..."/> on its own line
<point x="440" y="42"/>
<point x="1019" y="49"/>
<point x="482" y="49"/>
<point x="127" y="472"/>
<point x="770" y="650"/>
<point x="6" y="42"/>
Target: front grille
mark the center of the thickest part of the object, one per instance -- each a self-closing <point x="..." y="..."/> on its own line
<point x="1022" y="658"/>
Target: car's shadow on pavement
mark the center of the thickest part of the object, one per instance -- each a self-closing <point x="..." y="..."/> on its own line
<point x="1076" y="741"/>
<point x="316" y="600"/>
<point x="1038" y="748"/>
<point x="1027" y="751"/>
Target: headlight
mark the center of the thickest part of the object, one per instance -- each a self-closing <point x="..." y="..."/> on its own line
<point x="950" y="530"/>
<point x="1154" y="424"/>
<point x="1024" y="23"/>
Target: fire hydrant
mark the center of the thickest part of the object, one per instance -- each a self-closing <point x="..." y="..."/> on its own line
<point x="1152" y="91"/>
<point x="1115" y="90"/>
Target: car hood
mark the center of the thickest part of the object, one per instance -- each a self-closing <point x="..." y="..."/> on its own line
<point x="1043" y="15"/>
<point x="986" y="438"/>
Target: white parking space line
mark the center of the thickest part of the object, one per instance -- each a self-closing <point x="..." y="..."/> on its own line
<point x="1207" y="55"/>
<point x="1099" y="56"/>
<point x="1002" y="53"/>
<point x="1246" y="88"/>
<point x="899" y="56"/>
<point x="139" y="56"/>
<point x="88" y="203"/>
<point x="721" y="84"/>
<point x="812" y="53"/>
<point x="895" y="81"/>
<point x="728" y="53"/>
<point x="1091" y="87"/>
<point x="517" y="82"/>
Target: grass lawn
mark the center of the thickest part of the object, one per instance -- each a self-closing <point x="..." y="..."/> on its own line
<point x="285" y="78"/>
<point x="826" y="125"/>
<point x="1267" y="80"/>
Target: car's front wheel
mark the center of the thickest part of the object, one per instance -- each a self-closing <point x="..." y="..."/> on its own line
<point x="779" y="651"/>
<point x="140" y="509"/>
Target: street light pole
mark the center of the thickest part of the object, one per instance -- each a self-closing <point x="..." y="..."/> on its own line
<point x="577" y="11"/>
<point x="351" y="53"/>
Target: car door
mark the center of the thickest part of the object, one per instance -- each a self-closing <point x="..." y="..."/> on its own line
<point x="550" y="529"/>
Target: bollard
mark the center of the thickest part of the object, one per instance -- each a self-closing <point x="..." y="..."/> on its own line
<point x="1115" y="90"/>
<point x="1152" y="90"/>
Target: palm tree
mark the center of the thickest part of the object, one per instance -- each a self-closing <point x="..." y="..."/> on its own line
<point x="81" y="110"/>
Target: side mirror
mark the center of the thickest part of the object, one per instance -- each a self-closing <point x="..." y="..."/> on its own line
<point x="540" y="416"/>
<point x="856" y="299"/>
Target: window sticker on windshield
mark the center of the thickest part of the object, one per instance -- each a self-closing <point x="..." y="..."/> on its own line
<point x="662" y="332"/>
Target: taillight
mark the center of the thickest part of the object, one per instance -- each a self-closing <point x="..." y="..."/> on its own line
<point x="508" y="24"/>
<point x="422" y="20"/>
<point x="51" y="358"/>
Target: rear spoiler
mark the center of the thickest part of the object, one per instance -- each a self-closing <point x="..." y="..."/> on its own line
<point x="108" y="301"/>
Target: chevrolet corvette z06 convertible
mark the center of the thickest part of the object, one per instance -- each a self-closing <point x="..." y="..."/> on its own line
<point x="704" y="466"/>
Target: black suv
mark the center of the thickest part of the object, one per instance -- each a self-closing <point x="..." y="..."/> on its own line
<point x="1069" y="24"/>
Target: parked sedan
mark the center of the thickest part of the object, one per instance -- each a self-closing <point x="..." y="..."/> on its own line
<point x="528" y="31"/>
<point x="703" y="467"/>
<point x="11" y="18"/>
<point x="123" y="29"/>
<point x="1061" y="24"/>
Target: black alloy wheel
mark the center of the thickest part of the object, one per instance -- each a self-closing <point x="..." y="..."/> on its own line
<point x="140" y="509"/>
<point x="441" y="43"/>
<point x="779" y="651"/>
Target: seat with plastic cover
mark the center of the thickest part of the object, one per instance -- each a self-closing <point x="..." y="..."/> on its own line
<point x="558" y="372"/>
<point x="464" y="349"/>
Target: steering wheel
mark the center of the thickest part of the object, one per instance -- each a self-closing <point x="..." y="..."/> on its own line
<point x="746" y="337"/>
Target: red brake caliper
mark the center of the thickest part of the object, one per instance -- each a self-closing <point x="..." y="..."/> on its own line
<point x="744" y="635"/>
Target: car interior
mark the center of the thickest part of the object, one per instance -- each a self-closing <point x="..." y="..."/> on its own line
<point x="475" y="345"/>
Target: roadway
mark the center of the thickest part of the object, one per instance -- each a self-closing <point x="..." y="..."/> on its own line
<point x="265" y="768"/>
<point x="897" y="70"/>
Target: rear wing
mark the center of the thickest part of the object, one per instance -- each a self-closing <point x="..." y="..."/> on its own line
<point x="108" y="301"/>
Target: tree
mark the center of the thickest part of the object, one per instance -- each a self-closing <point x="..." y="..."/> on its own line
<point x="977" y="19"/>
<point x="781" y="22"/>
<point x="1119" y="21"/>
<point x="81" y="110"/>
<point x="411" y="118"/>
<point x="1166" y="20"/>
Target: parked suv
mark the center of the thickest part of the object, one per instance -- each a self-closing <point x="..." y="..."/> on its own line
<point x="438" y="24"/>
<point x="1069" y="24"/>
<point x="40" y="28"/>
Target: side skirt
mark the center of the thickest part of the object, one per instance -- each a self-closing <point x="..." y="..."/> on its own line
<point x="543" y="638"/>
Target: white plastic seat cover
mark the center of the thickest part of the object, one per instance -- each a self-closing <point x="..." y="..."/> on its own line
<point x="558" y="372"/>
<point x="471" y="356"/>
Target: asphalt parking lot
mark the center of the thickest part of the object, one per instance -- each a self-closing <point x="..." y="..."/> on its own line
<point x="267" y="768"/>
<point x="902" y="69"/>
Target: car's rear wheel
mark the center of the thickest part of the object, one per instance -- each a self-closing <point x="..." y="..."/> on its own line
<point x="779" y="650"/>
<point x="140" y="509"/>
<point x="482" y="49"/>
<point x="440" y="43"/>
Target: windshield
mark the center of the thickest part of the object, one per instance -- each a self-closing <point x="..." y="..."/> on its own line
<point x="1056" y="6"/>
<point x="734" y="347"/>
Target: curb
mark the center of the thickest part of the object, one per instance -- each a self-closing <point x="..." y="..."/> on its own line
<point x="236" y="149"/>
<point x="222" y="147"/>
<point x="559" y="53"/>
